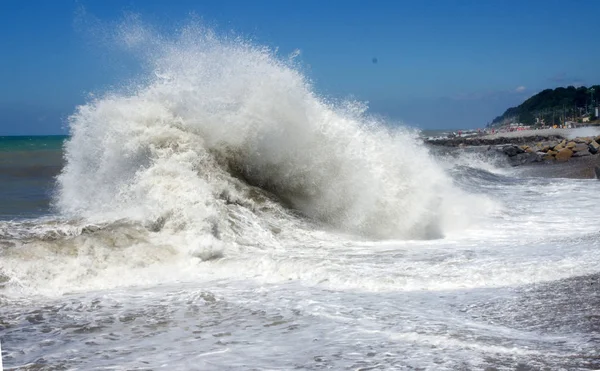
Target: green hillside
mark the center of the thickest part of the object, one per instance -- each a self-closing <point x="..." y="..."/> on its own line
<point x="553" y="106"/>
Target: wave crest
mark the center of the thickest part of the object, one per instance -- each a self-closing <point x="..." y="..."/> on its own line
<point x="218" y="117"/>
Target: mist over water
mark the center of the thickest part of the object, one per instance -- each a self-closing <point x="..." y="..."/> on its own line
<point x="218" y="213"/>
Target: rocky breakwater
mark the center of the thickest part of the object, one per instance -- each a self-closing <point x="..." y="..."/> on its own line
<point x="578" y="157"/>
<point x="551" y="150"/>
<point x="494" y="141"/>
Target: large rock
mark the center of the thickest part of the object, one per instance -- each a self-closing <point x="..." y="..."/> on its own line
<point x="585" y="140"/>
<point x="524" y="158"/>
<point x="582" y="153"/>
<point x="524" y="147"/>
<point x="571" y="145"/>
<point x="512" y="150"/>
<point x="545" y="146"/>
<point x="564" y="154"/>
<point x="580" y="147"/>
<point x="594" y="147"/>
<point x="560" y="145"/>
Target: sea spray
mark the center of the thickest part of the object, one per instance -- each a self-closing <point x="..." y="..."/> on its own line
<point x="215" y="110"/>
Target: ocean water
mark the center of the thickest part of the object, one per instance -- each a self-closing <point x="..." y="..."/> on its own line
<point x="28" y="166"/>
<point x="219" y="214"/>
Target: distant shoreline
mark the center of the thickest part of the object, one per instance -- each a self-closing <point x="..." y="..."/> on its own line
<point x="515" y="137"/>
<point x="550" y="132"/>
<point x="569" y="153"/>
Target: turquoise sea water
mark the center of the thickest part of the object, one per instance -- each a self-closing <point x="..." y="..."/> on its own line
<point x="28" y="166"/>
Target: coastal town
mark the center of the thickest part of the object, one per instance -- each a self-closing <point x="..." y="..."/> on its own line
<point x="566" y="122"/>
<point x="559" y="108"/>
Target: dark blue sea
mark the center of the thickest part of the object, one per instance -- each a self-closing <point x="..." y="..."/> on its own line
<point x="28" y="167"/>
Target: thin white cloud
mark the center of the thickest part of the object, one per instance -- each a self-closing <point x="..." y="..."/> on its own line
<point x="520" y="89"/>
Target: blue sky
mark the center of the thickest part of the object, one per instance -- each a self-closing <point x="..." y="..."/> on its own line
<point x="441" y="64"/>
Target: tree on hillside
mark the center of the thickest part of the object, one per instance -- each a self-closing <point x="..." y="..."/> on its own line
<point x="527" y="118"/>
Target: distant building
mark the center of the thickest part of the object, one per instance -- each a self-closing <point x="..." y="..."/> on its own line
<point x="572" y="124"/>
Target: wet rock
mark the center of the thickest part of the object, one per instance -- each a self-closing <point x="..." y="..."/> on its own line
<point x="545" y="147"/>
<point x="483" y="141"/>
<point x="524" y="158"/>
<point x="512" y="150"/>
<point x="582" y="153"/>
<point x="564" y="154"/>
<point x="560" y="145"/>
<point x="585" y="140"/>
<point x="524" y="147"/>
<point x="580" y="147"/>
<point x="544" y="144"/>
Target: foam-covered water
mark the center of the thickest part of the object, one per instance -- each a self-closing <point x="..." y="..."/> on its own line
<point x="220" y="214"/>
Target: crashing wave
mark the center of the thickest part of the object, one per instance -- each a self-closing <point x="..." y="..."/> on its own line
<point x="219" y="117"/>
